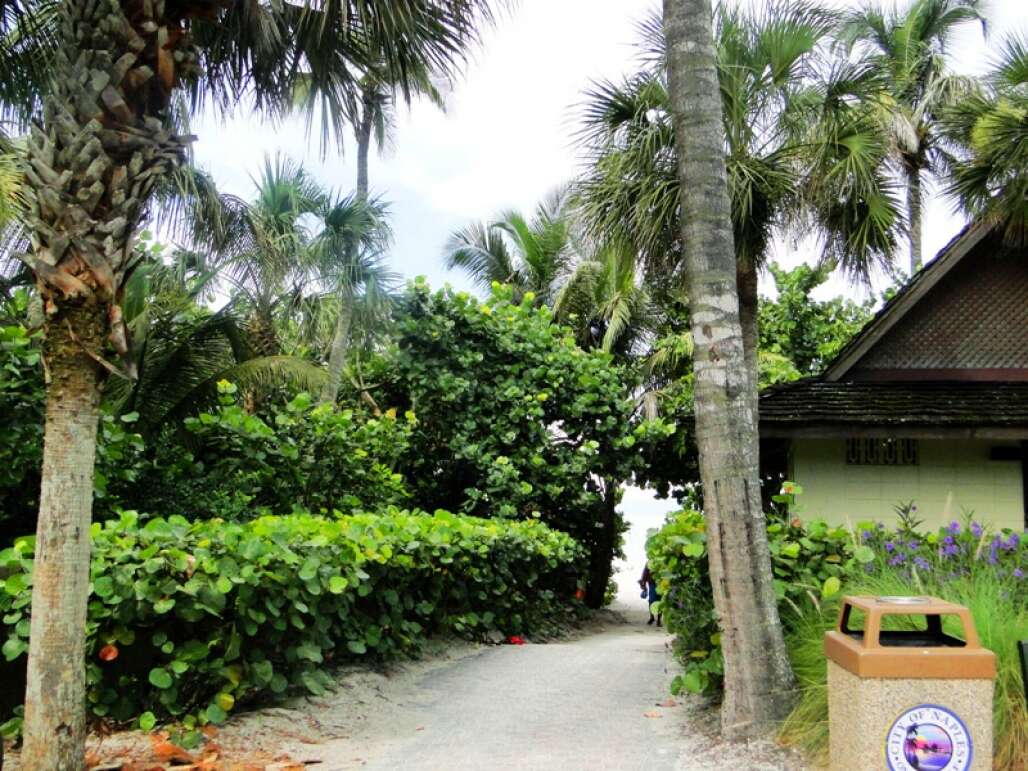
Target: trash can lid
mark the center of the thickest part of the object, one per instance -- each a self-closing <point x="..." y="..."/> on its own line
<point x="926" y="651"/>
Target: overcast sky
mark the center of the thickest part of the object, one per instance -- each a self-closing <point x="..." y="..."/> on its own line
<point x="505" y="138"/>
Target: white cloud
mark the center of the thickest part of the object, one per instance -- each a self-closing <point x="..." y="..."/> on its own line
<point x="506" y="138"/>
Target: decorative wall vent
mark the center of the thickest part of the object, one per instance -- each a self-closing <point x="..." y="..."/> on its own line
<point x="882" y="452"/>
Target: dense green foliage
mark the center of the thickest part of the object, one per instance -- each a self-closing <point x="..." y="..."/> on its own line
<point x="187" y="619"/>
<point x="805" y="331"/>
<point x="489" y="382"/>
<point x="511" y="418"/>
<point x="237" y="465"/>
<point x="21" y="422"/>
<point x="119" y="446"/>
<point x="813" y="562"/>
<point x="809" y="561"/>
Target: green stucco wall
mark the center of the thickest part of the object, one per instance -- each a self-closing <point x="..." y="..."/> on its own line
<point x="952" y="476"/>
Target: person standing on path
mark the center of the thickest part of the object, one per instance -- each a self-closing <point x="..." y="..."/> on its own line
<point x="649" y="590"/>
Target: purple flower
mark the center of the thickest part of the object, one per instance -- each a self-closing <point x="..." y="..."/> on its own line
<point x="950" y="550"/>
<point x="890" y="546"/>
<point x="976" y="529"/>
<point x="922" y="563"/>
<point x="914" y="545"/>
<point x="1018" y="573"/>
<point x="899" y="559"/>
<point x="948" y="540"/>
<point x="1014" y="541"/>
<point x="865" y="535"/>
<point x="954" y="527"/>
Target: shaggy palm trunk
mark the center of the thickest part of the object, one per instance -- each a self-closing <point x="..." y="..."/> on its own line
<point x="915" y="203"/>
<point x="758" y="679"/>
<point x="91" y="166"/>
<point x="55" y="695"/>
<point x="341" y="334"/>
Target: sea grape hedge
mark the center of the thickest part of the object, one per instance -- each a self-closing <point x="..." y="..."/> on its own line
<point x="188" y="619"/>
<point x="237" y="466"/>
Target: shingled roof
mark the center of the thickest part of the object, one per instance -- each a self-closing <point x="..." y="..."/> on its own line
<point x="813" y="402"/>
<point x="936" y="358"/>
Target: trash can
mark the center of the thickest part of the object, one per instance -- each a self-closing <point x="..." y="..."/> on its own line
<point x="909" y="687"/>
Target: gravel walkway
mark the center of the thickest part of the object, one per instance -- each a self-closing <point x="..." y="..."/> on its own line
<point x="590" y="704"/>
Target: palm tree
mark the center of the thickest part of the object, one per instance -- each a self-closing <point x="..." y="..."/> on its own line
<point x="260" y="249"/>
<point x="990" y="179"/>
<point x="348" y="252"/>
<point x="758" y="677"/>
<point x="182" y="349"/>
<point x="909" y="47"/>
<point x="99" y="145"/>
<point x="797" y="152"/>
<point x="605" y="299"/>
<point x="528" y="254"/>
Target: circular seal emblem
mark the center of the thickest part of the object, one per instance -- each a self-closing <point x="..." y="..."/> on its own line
<point x="928" y="738"/>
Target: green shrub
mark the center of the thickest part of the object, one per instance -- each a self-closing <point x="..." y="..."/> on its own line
<point x="237" y="465"/>
<point x="809" y="561"/>
<point x="999" y="605"/>
<point x="187" y="619"/>
<point x="513" y="419"/>
<point x="22" y="402"/>
<point x="814" y="564"/>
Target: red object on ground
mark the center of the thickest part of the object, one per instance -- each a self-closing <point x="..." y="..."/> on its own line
<point x="580" y="594"/>
<point x="515" y="640"/>
<point x="109" y="653"/>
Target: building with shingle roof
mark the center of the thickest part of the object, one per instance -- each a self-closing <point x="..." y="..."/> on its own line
<point x="928" y="403"/>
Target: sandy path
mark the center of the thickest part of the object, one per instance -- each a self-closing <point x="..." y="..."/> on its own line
<point x="589" y="704"/>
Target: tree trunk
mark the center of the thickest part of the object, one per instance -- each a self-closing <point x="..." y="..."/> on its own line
<point x="337" y="353"/>
<point x="749" y="313"/>
<point x="915" y="202"/>
<point x="602" y="553"/>
<point x="91" y="165"/>
<point x="55" y="696"/>
<point x="370" y="106"/>
<point x="758" y="679"/>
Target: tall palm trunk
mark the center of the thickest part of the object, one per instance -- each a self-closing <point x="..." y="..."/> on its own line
<point x="55" y="695"/>
<point x="341" y="333"/>
<point x="747" y="280"/>
<point x="915" y="203"/>
<point x="370" y="106"/>
<point x="90" y="170"/>
<point x="758" y="679"/>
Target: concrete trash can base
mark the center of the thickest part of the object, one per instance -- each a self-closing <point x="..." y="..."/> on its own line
<point x="905" y="699"/>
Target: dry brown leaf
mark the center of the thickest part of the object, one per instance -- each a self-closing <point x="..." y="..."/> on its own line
<point x="668" y="703"/>
<point x="652" y="714"/>
<point x="165" y="750"/>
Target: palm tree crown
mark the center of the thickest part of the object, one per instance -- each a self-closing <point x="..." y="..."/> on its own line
<point x="527" y="253"/>
<point x="909" y="47"/>
<point x="990" y="178"/>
